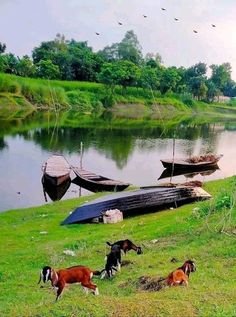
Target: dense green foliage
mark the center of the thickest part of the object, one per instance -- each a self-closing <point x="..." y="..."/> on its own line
<point x="33" y="237"/>
<point x="119" y="64"/>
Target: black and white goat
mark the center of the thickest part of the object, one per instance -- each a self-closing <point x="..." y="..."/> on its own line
<point x="113" y="262"/>
<point x="126" y="245"/>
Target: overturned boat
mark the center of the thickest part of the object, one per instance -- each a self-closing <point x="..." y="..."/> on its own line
<point x="136" y="202"/>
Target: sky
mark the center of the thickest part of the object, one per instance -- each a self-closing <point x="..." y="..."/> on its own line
<point x="24" y="24"/>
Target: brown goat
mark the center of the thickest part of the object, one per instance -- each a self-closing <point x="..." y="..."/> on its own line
<point x="181" y="275"/>
<point x="74" y="274"/>
<point x="126" y="245"/>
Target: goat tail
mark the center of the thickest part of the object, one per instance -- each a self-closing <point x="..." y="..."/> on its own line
<point x="109" y="243"/>
<point x="98" y="273"/>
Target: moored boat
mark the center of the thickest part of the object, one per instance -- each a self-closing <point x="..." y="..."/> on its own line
<point x="56" y="170"/>
<point x="96" y="183"/>
<point x="193" y="163"/>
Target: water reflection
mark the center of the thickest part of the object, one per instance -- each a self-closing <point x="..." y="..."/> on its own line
<point x="54" y="192"/>
<point x="168" y="173"/>
<point x="128" y="150"/>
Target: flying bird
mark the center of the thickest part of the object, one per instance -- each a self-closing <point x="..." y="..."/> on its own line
<point x="145" y="16"/>
<point x="97" y="33"/>
<point x="119" y="23"/>
<point x="213" y="25"/>
<point x="163" y="9"/>
<point x="195" y="31"/>
<point x="176" y="19"/>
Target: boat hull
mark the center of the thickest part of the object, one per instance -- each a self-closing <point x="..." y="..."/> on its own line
<point x="183" y="165"/>
<point x="56" y="170"/>
<point x="96" y="187"/>
<point x="138" y="201"/>
<point x="97" y="183"/>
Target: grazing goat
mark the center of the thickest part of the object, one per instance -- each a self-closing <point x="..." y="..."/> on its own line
<point x="113" y="261"/>
<point x="126" y="245"/>
<point x="181" y="275"/>
<point x="74" y="274"/>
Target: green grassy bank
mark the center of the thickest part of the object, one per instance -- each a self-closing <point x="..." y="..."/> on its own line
<point x="93" y="98"/>
<point x="205" y="232"/>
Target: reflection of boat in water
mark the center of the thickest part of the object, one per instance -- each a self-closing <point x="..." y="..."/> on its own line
<point x="194" y="163"/>
<point x="96" y="183"/>
<point x="56" y="169"/>
<point x="137" y="201"/>
<point x="55" y="192"/>
<point x="203" y="171"/>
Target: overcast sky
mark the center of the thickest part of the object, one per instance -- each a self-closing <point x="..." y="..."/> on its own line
<point x="26" y="23"/>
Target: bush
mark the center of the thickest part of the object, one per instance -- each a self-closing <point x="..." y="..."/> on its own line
<point x="222" y="202"/>
<point x="8" y="85"/>
<point x="80" y="100"/>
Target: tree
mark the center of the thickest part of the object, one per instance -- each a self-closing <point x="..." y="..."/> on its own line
<point x="198" y="87"/>
<point x="221" y="75"/>
<point x="109" y="53"/>
<point x="169" y="79"/>
<point x="129" y="48"/>
<point x="10" y="63"/>
<point x="46" y="69"/>
<point x="25" y="67"/>
<point x="212" y="91"/>
<point x="153" y="60"/>
<point x="197" y="70"/>
<point x="230" y="88"/>
<point x="2" y="48"/>
<point x="149" y="78"/>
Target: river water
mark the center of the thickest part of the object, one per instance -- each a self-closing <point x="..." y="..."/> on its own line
<point x="126" y="152"/>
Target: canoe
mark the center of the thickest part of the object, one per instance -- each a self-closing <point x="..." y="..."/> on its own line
<point x="136" y="202"/>
<point x="96" y="183"/>
<point x="56" y="170"/>
<point x="187" y="164"/>
<point x="55" y="192"/>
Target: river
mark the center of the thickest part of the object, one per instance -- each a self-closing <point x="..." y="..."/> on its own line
<point x="129" y="151"/>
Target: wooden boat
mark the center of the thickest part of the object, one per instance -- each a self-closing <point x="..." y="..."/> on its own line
<point x="96" y="183"/>
<point x="136" y="201"/>
<point x="56" y="170"/>
<point x="55" y="192"/>
<point x="192" y="163"/>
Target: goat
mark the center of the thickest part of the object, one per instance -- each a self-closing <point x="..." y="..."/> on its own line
<point x="113" y="261"/>
<point x="181" y="275"/>
<point x="74" y="274"/>
<point x="126" y="245"/>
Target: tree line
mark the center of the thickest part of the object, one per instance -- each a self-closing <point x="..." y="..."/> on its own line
<point x="119" y="64"/>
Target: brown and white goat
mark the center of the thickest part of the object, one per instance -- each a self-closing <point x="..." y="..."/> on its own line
<point x="126" y="245"/>
<point x="181" y="275"/>
<point x="74" y="274"/>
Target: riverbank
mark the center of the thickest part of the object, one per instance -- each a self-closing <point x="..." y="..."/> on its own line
<point x="205" y="232"/>
<point x="86" y="97"/>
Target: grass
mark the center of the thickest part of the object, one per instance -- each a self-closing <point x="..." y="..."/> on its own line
<point x="87" y="97"/>
<point x="191" y="231"/>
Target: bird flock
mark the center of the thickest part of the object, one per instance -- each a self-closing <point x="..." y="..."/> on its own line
<point x="163" y="9"/>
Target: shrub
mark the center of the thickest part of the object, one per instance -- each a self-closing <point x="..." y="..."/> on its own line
<point x="80" y="100"/>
